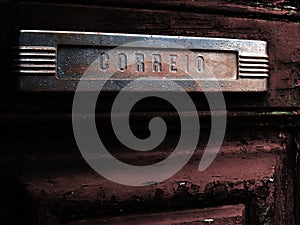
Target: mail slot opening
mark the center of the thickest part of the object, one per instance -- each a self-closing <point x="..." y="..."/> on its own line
<point x="58" y="61"/>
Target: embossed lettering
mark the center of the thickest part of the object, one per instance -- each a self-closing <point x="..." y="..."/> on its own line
<point x="200" y="64"/>
<point x="156" y="63"/>
<point x="139" y="62"/>
<point x="186" y="63"/>
<point x="104" y="59"/>
<point x="122" y="62"/>
<point x="173" y="63"/>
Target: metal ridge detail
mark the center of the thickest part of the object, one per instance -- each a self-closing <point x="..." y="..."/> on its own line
<point x="253" y="66"/>
<point x="34" y="59"/>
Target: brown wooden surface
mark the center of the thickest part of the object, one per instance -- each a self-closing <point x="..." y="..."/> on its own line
<point x="223" y="215"/>
<point x="224" y="6"/>
<point x="250" y="169"/>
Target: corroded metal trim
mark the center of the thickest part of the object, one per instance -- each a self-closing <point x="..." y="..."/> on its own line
<point x="253" y="66"/>
<point x="34" y="60"/>
<point x="37" y="59"/>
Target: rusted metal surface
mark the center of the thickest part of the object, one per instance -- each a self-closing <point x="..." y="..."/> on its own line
<point x="56" y="61"/>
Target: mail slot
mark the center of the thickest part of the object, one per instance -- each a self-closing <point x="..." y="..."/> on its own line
<point x="58" y="60"/>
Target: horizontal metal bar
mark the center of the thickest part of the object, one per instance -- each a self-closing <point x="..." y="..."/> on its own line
<point x="254" y="70"/>
<point x="35" y="71"/>
<point x="42" y="48"/>
<point x="253" y="75"/>
<point x="251" y="55"/>
<point x="35" y="60"/>
<point x="36" y="65"/>
<point x="251" y="60"/>
<point x="35" y="54"/>
<point x="253" y="65"/>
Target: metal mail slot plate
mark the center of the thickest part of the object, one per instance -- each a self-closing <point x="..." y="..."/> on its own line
<point x="58" y="60"/>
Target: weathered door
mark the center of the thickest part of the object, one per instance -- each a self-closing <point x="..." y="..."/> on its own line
<point x="254" y="178"/>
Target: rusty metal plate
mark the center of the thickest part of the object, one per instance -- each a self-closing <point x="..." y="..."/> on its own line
<point x="57" y="61"/>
